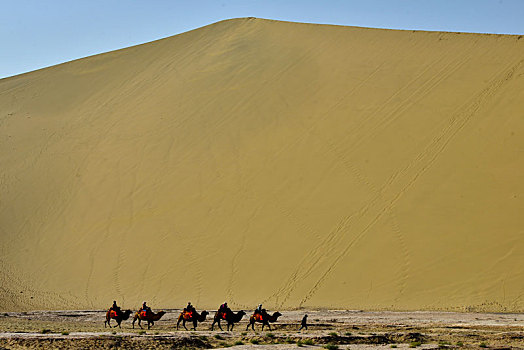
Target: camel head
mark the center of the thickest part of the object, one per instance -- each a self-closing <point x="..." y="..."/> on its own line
<point x="204" y="313"/>
<point x="241" y="313"/>
<point x="161" y="313"/>
<point x="126" y="314"/>
<point x="277" y="315"/>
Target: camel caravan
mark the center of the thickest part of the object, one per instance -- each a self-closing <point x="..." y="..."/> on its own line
<point x="189" y="314"/>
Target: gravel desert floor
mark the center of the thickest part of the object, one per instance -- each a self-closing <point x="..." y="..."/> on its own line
<point x="330" y="329"/>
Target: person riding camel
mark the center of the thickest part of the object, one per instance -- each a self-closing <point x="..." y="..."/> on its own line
<point x="259" y="312"/>
<point x="190" y="309"/>
<point x="115" y="307"/>
<point x="224" y="309"/>
<point x="145" y="308"/>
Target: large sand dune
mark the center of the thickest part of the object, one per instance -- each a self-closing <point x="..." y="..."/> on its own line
<point x="257" y="161"/>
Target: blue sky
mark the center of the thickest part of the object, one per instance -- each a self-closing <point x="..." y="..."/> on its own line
<point x="41" y="33"/>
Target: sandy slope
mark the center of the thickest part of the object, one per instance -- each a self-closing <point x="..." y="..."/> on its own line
<point x="260" y="161"/>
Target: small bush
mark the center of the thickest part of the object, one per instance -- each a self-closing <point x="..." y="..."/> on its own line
<point x="46" y="331"/>
<point x="414" y="344"/>
<point x="393" y="346"/>
<point x="239" y="342"/>
<point x="444" y="344"/>
<point x="331" y="347"/>
<point x="219" y="337"/>
<point x="270" y="335"/>
<point x="65" y="333"/>
<point x="289" y="341"/>
<point x="254" y="341"/>
<point x="459" y="343"/>
<point x="483" y="345"/>
<point x="347" y="334"/>
<point x="333" y="334"/>
<point x="142" y="332"/>
<point x="300" y="343"/>
<point x="243" y="333"/>
<point x="113" y="332"/>
<point x="225" y="345"/>
<point x="203" y="337"/>
<point x="309" y="342"/>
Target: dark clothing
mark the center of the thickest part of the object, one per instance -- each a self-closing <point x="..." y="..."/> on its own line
<point x="190" y="308"/>
<point x="303" y="323"/>
<point x="114" y="307"/>
<point x="145" y="308"/>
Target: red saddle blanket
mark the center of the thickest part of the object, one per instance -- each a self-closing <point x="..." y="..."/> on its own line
<point x="143" y="313"/>
<point x="187" y="315"/>
<point x="258" y="317"/>
<point x="112" y="314"/>
<point x="223" y="316"/>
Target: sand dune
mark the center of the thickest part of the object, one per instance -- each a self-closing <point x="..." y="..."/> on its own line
<point x="253" y="161"/>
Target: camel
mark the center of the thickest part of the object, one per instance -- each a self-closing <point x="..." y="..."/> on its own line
<point x="264" y="318"/>
<point x="191" y="317"/>
<point x="117" y="316"/>
<point x="149" y="317"/>
<point x="230" y="317"/>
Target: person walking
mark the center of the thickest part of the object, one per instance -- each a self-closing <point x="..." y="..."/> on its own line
<point x="303" y="324"/>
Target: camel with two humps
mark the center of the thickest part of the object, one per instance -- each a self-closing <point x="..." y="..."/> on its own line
<point x="150" y="317"/>
<point x="230" y="317"/>
<point x="193" y="317"/>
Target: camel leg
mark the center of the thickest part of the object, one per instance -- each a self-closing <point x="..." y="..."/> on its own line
<point x="219" y="326"/>
<point x="195" y="325"/>
<point x="140" y="323"/>
<point x="177" y="324"/>
<point x="184" y="324"/>
<point x="269" y="326"/>
<point x="134" y="319"/>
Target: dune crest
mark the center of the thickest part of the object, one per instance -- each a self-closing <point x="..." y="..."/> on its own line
<point x="254" y="161"/>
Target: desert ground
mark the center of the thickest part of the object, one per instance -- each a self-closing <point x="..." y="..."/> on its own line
<point x="342" y="328"/>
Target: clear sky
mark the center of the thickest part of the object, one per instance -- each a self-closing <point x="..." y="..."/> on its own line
<point x="41" y="33"/>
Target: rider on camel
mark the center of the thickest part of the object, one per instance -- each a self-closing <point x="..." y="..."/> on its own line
<point x="145" y="308"/>
<point x="115" y="307"/>
<point x="224" y="309"/>
<point x="190" y="308"/>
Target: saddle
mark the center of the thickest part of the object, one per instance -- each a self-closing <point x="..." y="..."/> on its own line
<point x="143" y="313"/>
<point x="113" y="314"/>
<point x="223" y="316"/>
<point x="187" y="315"/>
<point x="258" y="317"/>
